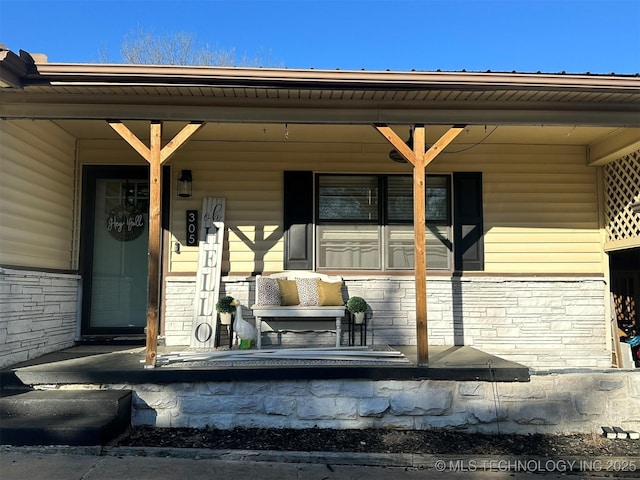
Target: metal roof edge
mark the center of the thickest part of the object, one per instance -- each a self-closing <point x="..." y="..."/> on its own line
<point x="12" y="69"/>
<point x="310" y="78"/>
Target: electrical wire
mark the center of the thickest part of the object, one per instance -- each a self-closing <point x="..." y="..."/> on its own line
<point x="475" y="144"/>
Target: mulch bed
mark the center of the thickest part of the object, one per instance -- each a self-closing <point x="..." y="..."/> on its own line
<point x="381" y="441"/>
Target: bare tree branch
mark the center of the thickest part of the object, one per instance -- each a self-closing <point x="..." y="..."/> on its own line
<point x="180" y="48"/>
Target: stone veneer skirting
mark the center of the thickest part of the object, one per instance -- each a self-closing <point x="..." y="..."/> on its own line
<point x="37" y="314"/>
<point x="554" y="402"/>
<point x="539" y="321"/>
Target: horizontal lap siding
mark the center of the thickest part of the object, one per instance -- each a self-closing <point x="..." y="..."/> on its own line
<point x="540" y="208"/>
<point x="109" y="152"/>
<point x="540" y="202"/>
<point x="37" y="184"/>
<point x="250" y="176"/>
<point x="251" y="182"/>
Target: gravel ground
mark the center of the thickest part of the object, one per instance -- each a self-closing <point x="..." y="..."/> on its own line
<point x="382" y="441"/>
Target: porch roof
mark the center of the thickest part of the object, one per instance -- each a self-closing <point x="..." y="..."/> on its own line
<point x="34" y="88"/>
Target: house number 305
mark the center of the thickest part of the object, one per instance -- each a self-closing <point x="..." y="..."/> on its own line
<point x="192" y="228"/>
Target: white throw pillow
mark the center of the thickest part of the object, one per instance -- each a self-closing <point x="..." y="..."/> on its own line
<point x="267" y="291"/>
<point x="307" y="291"/>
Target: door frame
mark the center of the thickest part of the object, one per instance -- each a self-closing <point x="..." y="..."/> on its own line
<point x="90" y="174"/>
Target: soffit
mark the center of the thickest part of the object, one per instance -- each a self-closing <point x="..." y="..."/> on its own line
<point x="133" y="92"/>
<point x="277" y="105"/>
<point x="450" y="96"/>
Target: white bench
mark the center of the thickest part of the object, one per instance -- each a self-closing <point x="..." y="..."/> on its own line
<point x="262" y="312"/>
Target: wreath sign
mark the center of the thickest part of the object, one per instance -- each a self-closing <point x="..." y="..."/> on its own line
<point x="125" y="224"/>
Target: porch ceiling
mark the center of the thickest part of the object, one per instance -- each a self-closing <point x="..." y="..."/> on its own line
<point x="352" y="134"/>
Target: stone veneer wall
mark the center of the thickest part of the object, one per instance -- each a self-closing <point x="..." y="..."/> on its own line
<point x="542" y="322"/>
<point x="37" y="314"/>
<point x="179" y="293"/>
<point x="558" y="402"/>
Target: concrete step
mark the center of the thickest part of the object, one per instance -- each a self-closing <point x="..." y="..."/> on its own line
<point x="10" y="384"/>
<point x="64" y="417"/>
<point x="9" y="390"/>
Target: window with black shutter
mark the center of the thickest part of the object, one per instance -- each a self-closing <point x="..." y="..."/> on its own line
<point x="365" y="222"/>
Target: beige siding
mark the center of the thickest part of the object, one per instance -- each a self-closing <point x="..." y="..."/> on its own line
<point x="540" y="209"/>
<point x="36" y="187"/>
<point x="108" y="152"/>
<point x="540" y="202"/>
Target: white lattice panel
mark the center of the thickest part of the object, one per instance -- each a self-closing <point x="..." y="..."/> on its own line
<point x="622" y="189"/>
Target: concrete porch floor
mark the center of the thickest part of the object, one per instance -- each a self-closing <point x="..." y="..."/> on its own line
<point x="104" y="364"/>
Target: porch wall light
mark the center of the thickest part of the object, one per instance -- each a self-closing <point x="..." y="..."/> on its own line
<point x="185" y="180"/>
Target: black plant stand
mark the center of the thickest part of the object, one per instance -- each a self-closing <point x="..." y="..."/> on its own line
<point x="229" y="331"/>
<point x="353" y="326"/>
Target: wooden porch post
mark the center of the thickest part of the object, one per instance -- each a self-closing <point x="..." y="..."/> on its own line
<point x="156" y="156"/>
<point x="155" y="197"/>
<point x="420" y="252"/>
<point x="420" y="159"/>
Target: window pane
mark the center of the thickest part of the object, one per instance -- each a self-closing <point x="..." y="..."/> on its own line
<point x="439" y="247"/>
<point x="437" y="201"/>
<point x="349" y="246"/>
<point x="400" y="250"/>
<point x="348" y="197"/>
<point x="400" y="246"/>
<point x="400" y="198"/>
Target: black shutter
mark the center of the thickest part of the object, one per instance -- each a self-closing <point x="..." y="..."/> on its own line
<point x="298" y="220"/>
<point x="468" y="234"/>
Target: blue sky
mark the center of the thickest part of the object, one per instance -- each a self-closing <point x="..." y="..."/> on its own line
<point x="575" y="36"/>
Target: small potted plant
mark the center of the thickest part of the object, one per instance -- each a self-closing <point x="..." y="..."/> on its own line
<point x="357" y="306"/>
<point x="226" y="306"/>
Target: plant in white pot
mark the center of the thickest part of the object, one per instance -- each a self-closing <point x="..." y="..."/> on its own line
<point x="226" y="306"/>
<point x="357" y="306"/>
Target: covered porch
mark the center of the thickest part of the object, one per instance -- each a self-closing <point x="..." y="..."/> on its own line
<point x="533" y="145"/>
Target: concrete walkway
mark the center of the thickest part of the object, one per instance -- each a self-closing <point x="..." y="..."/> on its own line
<point x="95" y="463"/>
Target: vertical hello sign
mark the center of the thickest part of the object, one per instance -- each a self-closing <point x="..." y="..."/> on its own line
<point x="203" y="330"/>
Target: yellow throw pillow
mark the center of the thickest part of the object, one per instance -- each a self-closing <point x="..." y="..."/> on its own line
<point x="288" y="292"/>
<point x="330" y="293"/>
